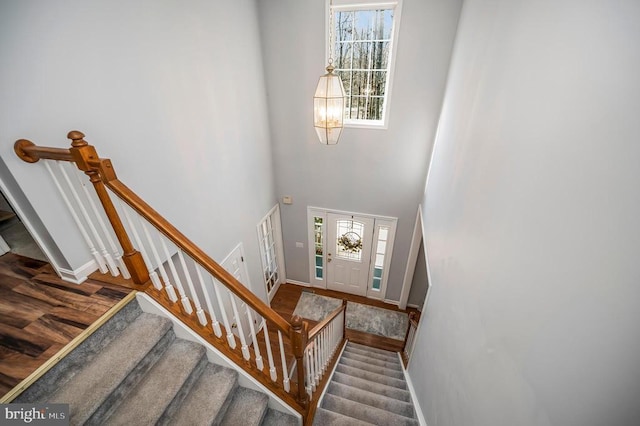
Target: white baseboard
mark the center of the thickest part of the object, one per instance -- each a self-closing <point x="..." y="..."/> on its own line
<point x="4" y="247"/>
<point x="391" y="302"/>
<point x="300" y="283"/>
<point x="78" y="276"/>
<point x="411" y="305"/>
<point x="414" y="398"/>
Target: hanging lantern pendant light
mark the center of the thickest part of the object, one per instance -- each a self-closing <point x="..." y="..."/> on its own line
<point x="328" y="107"/>
<point x="329" y="99"/>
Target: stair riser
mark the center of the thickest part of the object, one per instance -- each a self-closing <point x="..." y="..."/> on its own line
<point x="373" y="368"/>
<point x="174" y="406"/>
<point x="369" y="398"/>
<point x="365" y="413"/>
<point x="373" y="377"/>
<point x="111" y="403"/>
<point x="370" y="349"/>
<point x="379" y="388"/>
<point x="373" y="361"/>
<point x="372" y="355"/>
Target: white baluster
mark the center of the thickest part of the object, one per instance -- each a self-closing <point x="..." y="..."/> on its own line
<point x="272" y="367"/>
<point x="168" y="287"/>
<point x="256" y="347"/>
<point x="318" y="367"/>
<point x="113" y="268"/>
<point x="176" y="279"/>
<point x="102" y="265"/>
<point x="214" y="321"/>
<point x="152" y="273"/>
<point x="310" y="373"/>
<point x="324" y="345"/>
<point x="225" y="318"/>
<point x="196" y="300"/>
<point x="81" y="177"/>
<point x="243" y="340"/>
<point x="285" y="372"/>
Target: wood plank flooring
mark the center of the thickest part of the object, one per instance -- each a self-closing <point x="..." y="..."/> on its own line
<point x="40" y="313"/>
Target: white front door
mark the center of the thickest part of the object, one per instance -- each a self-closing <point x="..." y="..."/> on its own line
<point x="349" y="240"/>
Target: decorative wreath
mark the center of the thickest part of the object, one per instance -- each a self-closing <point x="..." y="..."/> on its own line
<point x="350" y="242"/>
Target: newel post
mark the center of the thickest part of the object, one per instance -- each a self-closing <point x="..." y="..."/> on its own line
<point x="87" y="160"/>
<point x="299" y="334"/>
<point x="412" y="320"/>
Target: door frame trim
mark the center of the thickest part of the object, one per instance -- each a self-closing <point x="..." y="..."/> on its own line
<point x="412" y="259"/>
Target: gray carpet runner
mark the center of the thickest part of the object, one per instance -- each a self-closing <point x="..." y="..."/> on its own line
<point x="368" y="387"/>
<point x="134" y="371"/>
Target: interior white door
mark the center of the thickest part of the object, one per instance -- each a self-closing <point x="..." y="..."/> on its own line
<point x="349" y="240"/>
<point x="234" y="306"/>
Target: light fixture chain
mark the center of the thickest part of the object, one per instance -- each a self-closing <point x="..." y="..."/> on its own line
<point x="331" y="32"/>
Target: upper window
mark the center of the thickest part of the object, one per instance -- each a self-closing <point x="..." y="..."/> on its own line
<point x="364" y="35"/>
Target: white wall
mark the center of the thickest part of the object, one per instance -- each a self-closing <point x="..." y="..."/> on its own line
<point x="531" y="220"/>
<point x="370" y="171"/>
<point x="171" y="91"/>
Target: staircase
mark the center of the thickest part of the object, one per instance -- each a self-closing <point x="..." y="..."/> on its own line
<point x="368" y="387"/>
<point x="134" y="370"/>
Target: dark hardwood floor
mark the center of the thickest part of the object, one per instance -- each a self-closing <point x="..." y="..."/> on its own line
<point x="40" y="313"/>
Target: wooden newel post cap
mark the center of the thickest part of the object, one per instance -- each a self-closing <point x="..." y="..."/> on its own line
<point x="296" y="322"/>
<point x="77" y="138"/>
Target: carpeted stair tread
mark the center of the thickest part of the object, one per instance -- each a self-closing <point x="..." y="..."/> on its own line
<point x="71" y="364"/>
<point x="370" y="398"/>
<point x="278" y="418"/>
<point x="329" y="418"/>
<point x="374" y="355"/>
<point x="372" y="368"/>
<point x="365" y="412"/>
<point x="371" y="349"/>
<point x="164" y="387"/>
<point x="209" y="398"/>
<point x="373" y="377"/>
<point x="373" y="361"/>
<point x="116" y="368"/>
<point x="379" y="388"/>
<point x="247" y="408"/>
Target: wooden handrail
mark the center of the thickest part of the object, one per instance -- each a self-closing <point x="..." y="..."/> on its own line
<point x="31" y="153"/>
<point x="322" y="324"/>
<point x="210" y="265"/>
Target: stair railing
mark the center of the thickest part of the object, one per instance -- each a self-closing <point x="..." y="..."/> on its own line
<point x="323" y="341"/>
<point x="175" y="272"/>
<point x="410" y="338"/>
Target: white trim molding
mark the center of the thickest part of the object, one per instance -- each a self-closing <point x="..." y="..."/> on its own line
<point x="79" y="275"/>
<point x="414" y="396"/>
<point x="412" y="259"/>
<point x="300" y="283"/>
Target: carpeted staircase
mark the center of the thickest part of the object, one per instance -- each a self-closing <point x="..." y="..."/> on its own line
<point x="134" y="371"/>
<point x="368" y="387"/>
